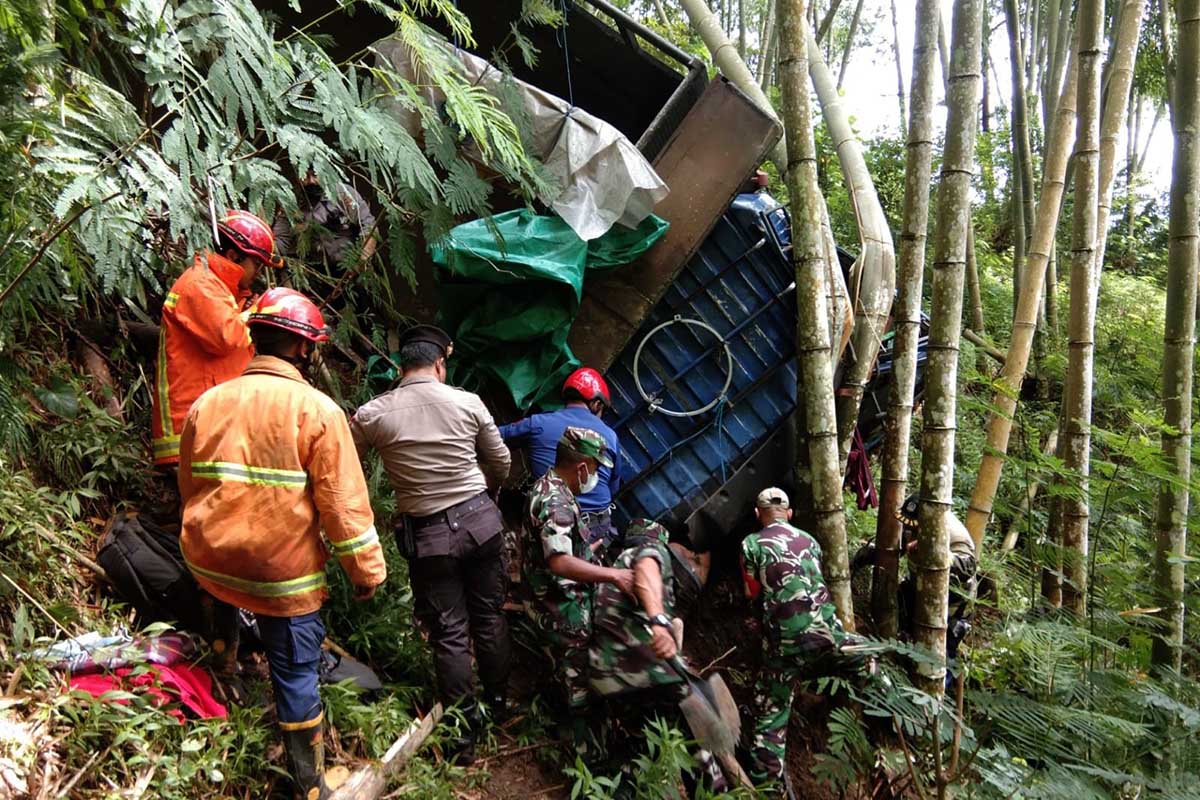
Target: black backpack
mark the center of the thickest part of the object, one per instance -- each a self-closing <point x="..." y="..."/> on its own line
<point x="142" y="558"/>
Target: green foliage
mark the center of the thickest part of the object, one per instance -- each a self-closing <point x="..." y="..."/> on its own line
<point x="587" y="786"/>
<point x="659" y="770"/>
<point x="234" y="112"/>
<point x="125" y="744"/>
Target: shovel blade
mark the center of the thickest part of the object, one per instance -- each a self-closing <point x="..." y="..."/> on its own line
<point x="706" y="725"/>
<point x="723" y="702"/>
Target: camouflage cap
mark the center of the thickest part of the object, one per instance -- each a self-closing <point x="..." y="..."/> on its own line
<point x="772" y="497"/>
<point x="588" y="444"/>
<point x="646" y="529"/>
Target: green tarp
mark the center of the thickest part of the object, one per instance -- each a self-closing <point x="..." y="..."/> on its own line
<point x="509" y="289"/>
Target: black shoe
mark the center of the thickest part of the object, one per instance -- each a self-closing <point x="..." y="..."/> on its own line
<point x="461" y="750"/>
<point x="306" y="762"/>
<point x="499" y="709"/>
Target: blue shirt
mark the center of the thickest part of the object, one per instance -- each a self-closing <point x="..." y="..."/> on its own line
<point x="538" y="435"/>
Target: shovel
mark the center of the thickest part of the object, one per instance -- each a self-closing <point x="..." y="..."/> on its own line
<point x="713" y="717"/>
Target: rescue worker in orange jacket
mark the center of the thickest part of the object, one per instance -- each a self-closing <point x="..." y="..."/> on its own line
<point x="267" y="463"/>
<point x="203" y="339"/>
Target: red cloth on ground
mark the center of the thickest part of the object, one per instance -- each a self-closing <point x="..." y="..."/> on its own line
<point x="190" y="685"/>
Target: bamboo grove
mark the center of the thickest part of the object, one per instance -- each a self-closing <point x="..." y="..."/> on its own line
<point x="1019" y="192"/>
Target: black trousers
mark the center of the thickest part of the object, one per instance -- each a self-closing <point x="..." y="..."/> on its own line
<point x="458" y="585"/>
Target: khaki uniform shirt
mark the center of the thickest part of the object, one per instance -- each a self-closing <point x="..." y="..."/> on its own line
<point x="439" y="444"/>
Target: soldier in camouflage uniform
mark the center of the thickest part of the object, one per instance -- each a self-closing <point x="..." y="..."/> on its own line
<point x="631" y="636"/>
<point x="560" y="569"/>
<point x="782" y="568"/>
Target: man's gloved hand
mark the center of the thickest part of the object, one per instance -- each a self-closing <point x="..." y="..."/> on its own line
<point x="662" y="642"/>
<point x="362" y="593"/>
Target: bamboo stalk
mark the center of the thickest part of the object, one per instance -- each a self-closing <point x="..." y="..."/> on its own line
<point x="813" y="346"/>
<point x="932" y="556"/>
<point x="369" y="782"/>
<point x="906" y="321"/>
<point x="1004" y="401"/>
<point x="874" y="276"/>
<point x="1077" y="397"/>
<point x="1179" y="339"/>
<point x="726" y="58"/>
<point x="1116" y="100"/>
<point x="1022" y="159"/>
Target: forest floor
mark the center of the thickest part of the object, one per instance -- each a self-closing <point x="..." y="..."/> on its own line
<point x="717" y="638"/>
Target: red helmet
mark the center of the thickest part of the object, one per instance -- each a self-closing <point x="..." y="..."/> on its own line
<point x="588" y="384"/>
<point x="290" y="310"/>
<point x="250" y="235"/>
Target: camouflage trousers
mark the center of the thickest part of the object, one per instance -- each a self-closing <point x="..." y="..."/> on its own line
<point x="566" y="645"/>
<point x="564" y="629"/>
<point x="772" y="709"/>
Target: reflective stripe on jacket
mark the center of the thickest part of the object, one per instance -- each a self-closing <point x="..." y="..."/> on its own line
<point x="203" y="341"/>
<point x="267" y="462"/>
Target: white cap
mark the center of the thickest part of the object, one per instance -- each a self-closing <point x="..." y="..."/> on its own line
<point x="772" y="497"/>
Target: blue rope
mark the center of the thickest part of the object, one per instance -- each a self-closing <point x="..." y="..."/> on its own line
<point x="560" y="36"/>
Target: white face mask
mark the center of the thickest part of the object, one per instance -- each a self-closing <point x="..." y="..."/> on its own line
<point x="590" y="482"/>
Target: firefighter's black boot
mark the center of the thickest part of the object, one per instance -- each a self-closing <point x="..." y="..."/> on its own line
<point x="306" y="762"/>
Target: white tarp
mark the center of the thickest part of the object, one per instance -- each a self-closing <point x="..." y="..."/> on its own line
<point x="602" y="178"/>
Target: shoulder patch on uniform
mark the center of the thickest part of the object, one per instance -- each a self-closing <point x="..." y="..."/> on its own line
<point x="562" y="515"/>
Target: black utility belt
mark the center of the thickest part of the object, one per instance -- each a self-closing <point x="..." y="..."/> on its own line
<point x="450" y="514"/>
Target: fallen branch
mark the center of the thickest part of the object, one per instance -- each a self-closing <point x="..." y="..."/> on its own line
<point x="71" y="551"/>
<point x="369" y="782"/>
<point x="977" y="340"/>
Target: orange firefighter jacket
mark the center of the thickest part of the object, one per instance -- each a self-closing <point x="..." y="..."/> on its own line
<point x="203" y="341"/>
<point x="266" y="462"/>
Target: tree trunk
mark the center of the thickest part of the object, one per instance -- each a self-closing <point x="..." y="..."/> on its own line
<point x="1051" y="79"/>
<point x="1062" y="45"/>
<point x="1022" y="160"/>
<point x="1004" y="401"/>
<point x="812" y="324"/>
<point x="899" y="73"/>
<point x="1051" y="298"/>
<point x="1179" y="340"/>
<point x="985" y="103"/>
<point x="662" y="13"/>
<point x="766" y="58"/>
<point x="1116" y="99"/>
<point x="1169" y="62"/>
<point x="875" y="273"/>
<point x="973" y="291"/>
<point x="827" y="20"/>
<point x="849" y="43"/>
<point x="1029" y="43"/>
<point x="726" y="58"/>
<point x="932" y="557"/>
<point x="1077" y="397"/>
<point x="1141" y="159"/>
<point x="907" y="321"/>
<point x="741" y="13"/>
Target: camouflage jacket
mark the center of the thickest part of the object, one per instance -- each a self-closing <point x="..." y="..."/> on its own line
<point x="552" y="526"/>
<point x="797" y="610"/>
<point x="620" y="658"/>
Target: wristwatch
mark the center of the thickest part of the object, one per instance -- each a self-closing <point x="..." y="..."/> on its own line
<point x="662" y="621"/>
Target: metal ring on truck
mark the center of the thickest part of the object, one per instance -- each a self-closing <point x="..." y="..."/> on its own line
<point x="655" y="403"/>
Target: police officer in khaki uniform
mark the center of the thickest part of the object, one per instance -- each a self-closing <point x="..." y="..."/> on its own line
<point x="443" y="452"/>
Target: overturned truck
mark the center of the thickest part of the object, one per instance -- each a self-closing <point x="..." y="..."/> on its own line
<point x="696" y="334"/>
